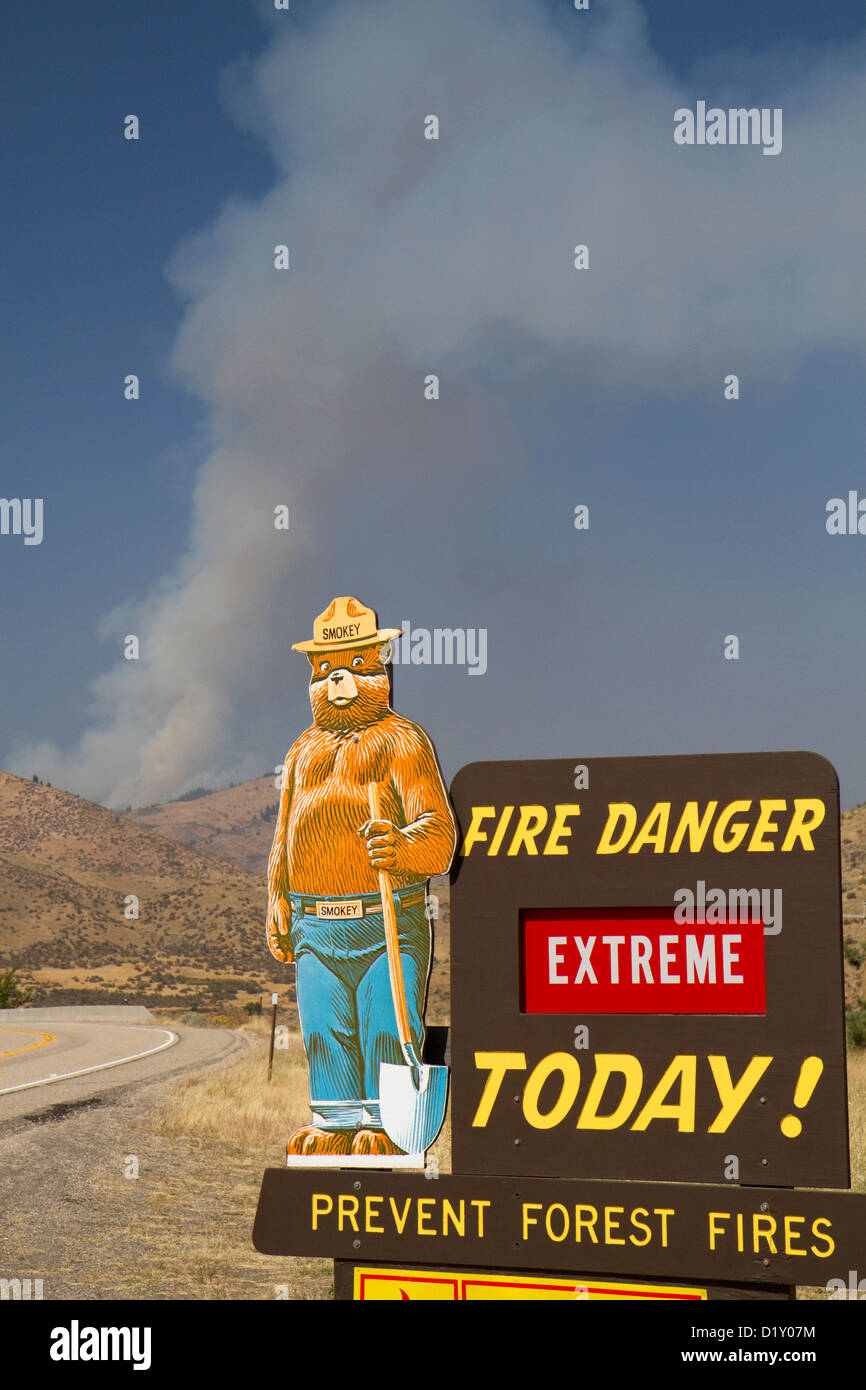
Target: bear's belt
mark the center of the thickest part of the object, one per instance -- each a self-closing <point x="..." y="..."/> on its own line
<point x="348" y="909"/>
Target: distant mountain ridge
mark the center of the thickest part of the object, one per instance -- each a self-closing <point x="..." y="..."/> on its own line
<point x="235" y="824"/>
<point x="69" y="870"/>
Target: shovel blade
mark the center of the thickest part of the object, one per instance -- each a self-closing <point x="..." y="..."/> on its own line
<point x="412" y="1117"/>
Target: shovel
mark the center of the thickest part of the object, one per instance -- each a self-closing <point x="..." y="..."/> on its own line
<point x="411" y="1098"/>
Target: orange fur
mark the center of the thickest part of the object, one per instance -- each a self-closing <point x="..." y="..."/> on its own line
<point x="317" y="847"/>
<point x="373" y="1141"/>
<point x="312" y="1140"/>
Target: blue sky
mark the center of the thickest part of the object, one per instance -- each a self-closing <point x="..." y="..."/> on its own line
<point x="707" y="516"/>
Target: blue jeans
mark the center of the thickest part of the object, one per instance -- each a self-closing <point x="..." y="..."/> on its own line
<point x="344" y="1000"/>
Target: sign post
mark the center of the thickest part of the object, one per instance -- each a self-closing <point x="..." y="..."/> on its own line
<point x="273" y="1034"/>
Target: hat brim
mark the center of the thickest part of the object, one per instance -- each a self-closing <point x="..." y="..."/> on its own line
<point x="385" y="634"/>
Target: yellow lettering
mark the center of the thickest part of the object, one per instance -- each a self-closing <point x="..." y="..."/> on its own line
<point x="587" y="1221"/>
<point x="369" y="1213"/>
<point x="532" y="821"/>
<point x="642" y="1226"/>
<point x="715" y="1229"/>
<point x="423" y="1216"/>
<point x="809" y="812"/>
<point x="654" y="829"/>
<point x="606" y="1063"/>
<point x="684" y="1069"/>
<point x="449" y="1214"/>
<point x="763" y="1228"/>
<point x="347" y="1207"/>
<point x="560" y="829"/>
<point x="527" y="1219"/>
<point x="480" y="1205"/>
<point x="569" y="1066"/>
<point x="497" y="1063"/>
<point x="318" y="1210"/>
<point x="765" y="826"/>
<point x="475" y="834"/>
<point x="831" y="1244"/>
<point x="499" y="832"/>
<point x="610" y="1224"/>
<point x="616" y="811"/>
<point x="664" y="1213"/>
<point x="556" y="1206"/>
<point x="725" y="844"/>
<point x="400" y="1222"/>
<point x="697" y="829"/>
<point x="733" y="1097"/>
<point x="791" y="1235"/>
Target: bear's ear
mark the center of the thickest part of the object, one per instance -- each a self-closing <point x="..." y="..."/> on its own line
<point x="385" y="653"/>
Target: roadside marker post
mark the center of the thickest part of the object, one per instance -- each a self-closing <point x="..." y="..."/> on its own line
<point x="273" y="1035"/>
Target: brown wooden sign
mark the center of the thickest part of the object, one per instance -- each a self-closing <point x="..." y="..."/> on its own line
<point x="650" y="1230"/>
<point x="647" y="970"/>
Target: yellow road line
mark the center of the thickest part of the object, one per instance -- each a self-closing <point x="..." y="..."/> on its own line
<point x="46" y="1038"/>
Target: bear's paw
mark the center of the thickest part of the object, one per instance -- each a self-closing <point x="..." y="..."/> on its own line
<point x="373" y="1141"/>
<point x="312" y="1140"/>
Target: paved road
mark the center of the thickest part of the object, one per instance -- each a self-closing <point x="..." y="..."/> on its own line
<point x="48" y="1066"/>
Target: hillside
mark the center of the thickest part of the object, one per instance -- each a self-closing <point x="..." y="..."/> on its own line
<point x="68" y="867"/>
<point x="854" y="901"/>
<point x="235" y="824"/>
<point x="854" y="859"/>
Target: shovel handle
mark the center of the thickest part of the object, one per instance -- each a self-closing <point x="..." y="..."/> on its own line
<point x="395" y="964"/>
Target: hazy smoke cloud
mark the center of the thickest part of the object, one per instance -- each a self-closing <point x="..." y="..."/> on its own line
<point x="455" y="256"/>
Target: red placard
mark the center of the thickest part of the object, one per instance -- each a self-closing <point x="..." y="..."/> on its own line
<point x="640" y="961"/>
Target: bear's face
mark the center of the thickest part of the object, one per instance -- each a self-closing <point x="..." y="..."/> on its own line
<point x="349" y="689"/>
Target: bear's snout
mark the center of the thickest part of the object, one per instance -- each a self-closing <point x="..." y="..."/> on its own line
<point x="341" y="687"/>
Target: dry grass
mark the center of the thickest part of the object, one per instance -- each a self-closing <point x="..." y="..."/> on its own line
<point x="223" y="1127"/>
<point x="185" y="1232"/>
<point x="857" y="1117"/>
<point x="229" y="1124"/>
<point x="237" y="1106"/>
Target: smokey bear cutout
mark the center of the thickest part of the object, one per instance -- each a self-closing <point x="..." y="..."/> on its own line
<point x="325" y="904"/>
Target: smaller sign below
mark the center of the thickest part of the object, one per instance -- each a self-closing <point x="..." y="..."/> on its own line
<point x="677" y="1232"/>
<point x="640" y="961"/>
<point x="415" y="1285"/>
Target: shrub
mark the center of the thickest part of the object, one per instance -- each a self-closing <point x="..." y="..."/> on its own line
<point x="855" y="1023"/>
<point x="853" y="952"/>
<point x="12" y="993"/>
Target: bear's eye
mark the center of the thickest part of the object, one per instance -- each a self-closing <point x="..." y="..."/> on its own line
<point x="357" y="661"/>
<point x="326" y="665"/>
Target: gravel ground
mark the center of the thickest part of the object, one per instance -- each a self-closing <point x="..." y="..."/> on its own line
<point x="180" y="1229"/>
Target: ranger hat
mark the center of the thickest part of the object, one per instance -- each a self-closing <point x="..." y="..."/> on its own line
<point x="346" y="622"/>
